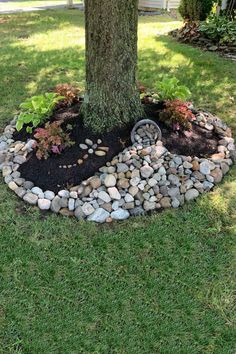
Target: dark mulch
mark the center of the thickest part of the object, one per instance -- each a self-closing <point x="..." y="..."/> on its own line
<point x="46" y="174"/>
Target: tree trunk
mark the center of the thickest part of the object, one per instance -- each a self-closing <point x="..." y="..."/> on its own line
<point x="112" y="97"/>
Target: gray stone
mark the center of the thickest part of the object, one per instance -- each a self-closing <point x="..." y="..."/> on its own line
<point x="114" y="193"/>
<point x="3" y="146"/>
<point x="64" y="193"/>
<point x="110" y="181"/>
<point x="49" y="195"/>
<point x="115" y="205"/>
<point x="71" y="204"/>
<point x="20" y="191"/>
<point x="28" y="185"/>
<point x="120" y="214"/>
<point x="135" y="181"/>
<point x="38" y="191"/>
<point x="83" y="146"/>
<point x="173" y="192"/>
<point x="19" y="159"/>
<point x="147" y="205"/>
<point x="100" y="215"/>
<point x="187" y="164"/>
<point x="88" y="209"/>
<point x="44" y="204"/>
<point x="173" y="179"/>
<point x="55" y="205"/>
<point x="146" y="171"/>
<point x="6" y="170"/>
<point x="64" y="202"/>
<point x="79" y="214"/>
<point x="122" y="167"/>
<point x="175" y="203"/>
<point x="133" y="190"/>
<point x="191" y="194"/>
<point x="129" y="198"/>
<point x="205" y="167"/>
<point x="152" y="182"/>
<point x="136" y="211"/>
<point x="161" y="171"/>
<point x="104" y="196"/>
<point x="30" y="198"/>
<point x="88" y="142"/>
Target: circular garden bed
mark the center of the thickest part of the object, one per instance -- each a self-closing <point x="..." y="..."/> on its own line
<point x="104" y="177"/>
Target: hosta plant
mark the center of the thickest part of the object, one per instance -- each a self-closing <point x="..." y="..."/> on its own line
<point x="51" y="140"/>
<point x="219" y="29"/>
<point x="170" y="89"/>
<point x="35" y="110"/>
<point x="177" y="115"/>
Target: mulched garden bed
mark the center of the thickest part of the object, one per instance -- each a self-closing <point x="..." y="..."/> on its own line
<point x="205" y="44"/>
<point x="63" y="171"/>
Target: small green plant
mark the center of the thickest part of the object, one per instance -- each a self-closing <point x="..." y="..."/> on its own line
<point x="220" y="29"/>
<point x="36" y="110"/>
<point x="177" y="115"/>
<point x="51" y="140"/>
<point x="170" y="89"/>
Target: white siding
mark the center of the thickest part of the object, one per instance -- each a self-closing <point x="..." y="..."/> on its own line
<point x="152" y="4"/>
<point x="173" y="4"/>
<point x="159" y="4"/>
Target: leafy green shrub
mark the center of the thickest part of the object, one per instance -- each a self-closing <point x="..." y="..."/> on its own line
<point x="220" y="29"/>
<point x="36" y="110"/>
<point x="177" y="115"/>
<point x="195" y="10"/>
<point x="51" y="139"/>
<point x="170" y="89"/>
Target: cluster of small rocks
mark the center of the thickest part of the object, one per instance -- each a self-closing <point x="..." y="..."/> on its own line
<point x="93" y="148"/>
<point x="140" y="179"/>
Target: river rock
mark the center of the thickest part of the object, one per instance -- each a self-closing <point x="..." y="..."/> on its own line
<point x="191" y="194"/>
<point x="110" y="180"/>
<point x="100" y="215"/>
<point x="120" y="214"/>
<point x="44" y="204"/>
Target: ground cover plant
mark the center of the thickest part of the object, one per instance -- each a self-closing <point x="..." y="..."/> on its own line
<point x="158" y="284"/>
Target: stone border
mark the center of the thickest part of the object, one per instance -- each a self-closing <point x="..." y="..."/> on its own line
<point x="139" y="179"/>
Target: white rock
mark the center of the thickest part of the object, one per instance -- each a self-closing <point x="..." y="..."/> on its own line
<point x="49" y="195"/>
<point x="120" y="214"/>
<point x="205" y="167"/>
<point x="64" y="193"/>
<point x="129" y="198"/>
<point x="87" y="209"/>
<point x="110" y="181"/>
<point x="191" y="194"/>
<point x="100" y="215"/>
<point x="114" y="193"/>
<point x="44" y="204"/>
<point x="104" y="196"/>
<point x="146" y="171"/>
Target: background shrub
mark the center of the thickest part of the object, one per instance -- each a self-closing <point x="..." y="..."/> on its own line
<point x="195" y="10"/>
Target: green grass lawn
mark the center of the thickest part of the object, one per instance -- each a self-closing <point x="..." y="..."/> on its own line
<point x="18" y="4"/>
<point x="156" y="284"/>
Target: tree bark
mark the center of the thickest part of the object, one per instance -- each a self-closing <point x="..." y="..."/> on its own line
<point x="112" y="97"/>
